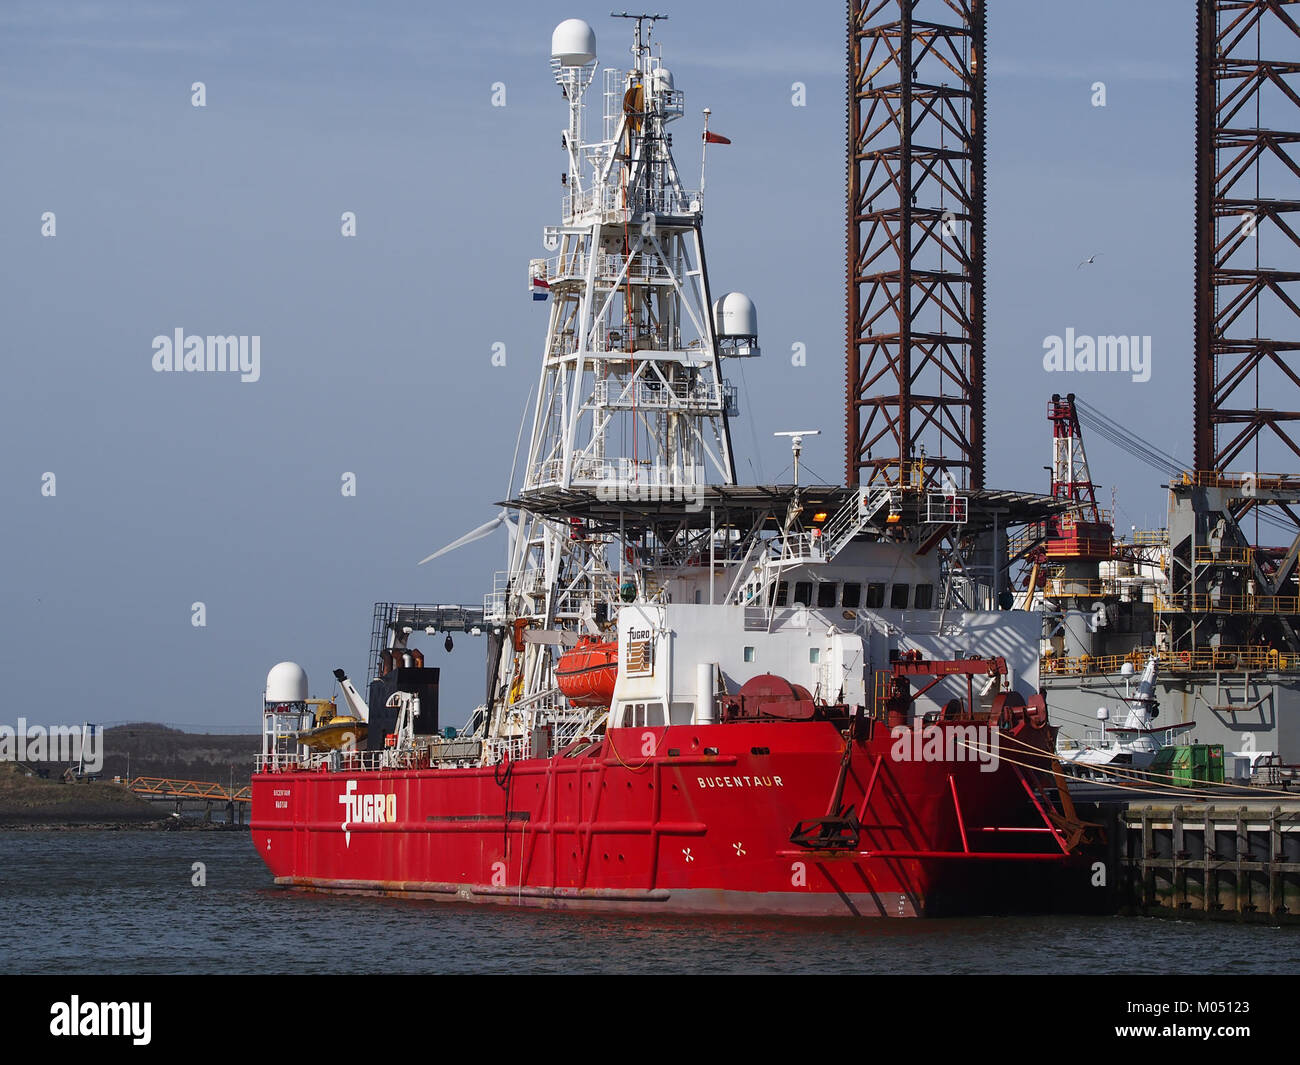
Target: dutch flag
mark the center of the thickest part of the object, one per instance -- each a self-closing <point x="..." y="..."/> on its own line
<point x="541" y="289"/>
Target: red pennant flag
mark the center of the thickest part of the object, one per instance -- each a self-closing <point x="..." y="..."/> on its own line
<point x="715" y="138"/>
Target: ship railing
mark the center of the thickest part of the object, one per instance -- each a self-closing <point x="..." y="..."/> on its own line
<point x="505" y="749"/>
<point x="342" y="761"/>
<point x="609" y="268"/>
<point x="852" y="518"/>
<point x="1068" y="520"/>
<point x="1026" y="538"/>
<point x="653" y="395"/>
<point x="623" y="479"/>
<point x="658" y="473"/>
<point x="603" y="340"/>
<point x="1060" y="587"/>
<point x="494" y="607"/>
<point x="1116" y="733"/>
<point x="279" y="763"/>
<point x="1202" y="660"/>
<point x="1150" y="537"/>
<point x="584" y="471"/>
<point x="1223" y="556"/>
<point x="803" y="548"/>
<point x="1248" y="483"/>
<point x="612" y="203"/>
<point x="1074" y="546"/>
<point x="1286" y="605"/>
<point x="943" y="508"/>
<point x="666" y="200"/>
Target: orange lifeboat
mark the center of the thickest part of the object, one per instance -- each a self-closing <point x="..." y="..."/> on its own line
<point x="586" y="674"/>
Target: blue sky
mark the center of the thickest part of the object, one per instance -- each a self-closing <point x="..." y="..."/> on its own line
<point x="376" y="350"/>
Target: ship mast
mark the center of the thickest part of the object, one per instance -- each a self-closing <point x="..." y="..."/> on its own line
<point x="631" y="403"/>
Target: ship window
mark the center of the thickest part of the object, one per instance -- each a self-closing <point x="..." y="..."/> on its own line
<point x="637" y="715"/>
<point x="699" y="596"/>
<point x="749" y="654"/>
<point x="924" y="598"/>
<point x="852" y="593"/>
<point x="875" y="595"/>
<point x="803" y="593"/>
<point x="782" y="593"/>
<point x="827" y="593"/>
<point x="898" y="596"/>
<point x="814" y="655"/>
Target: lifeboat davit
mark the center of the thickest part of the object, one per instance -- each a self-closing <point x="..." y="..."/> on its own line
<point x="586" y="674"/>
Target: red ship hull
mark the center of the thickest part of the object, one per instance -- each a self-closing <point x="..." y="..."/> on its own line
<point x="685" y="819"/>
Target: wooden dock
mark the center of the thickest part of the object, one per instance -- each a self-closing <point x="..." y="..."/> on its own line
<point x="1237" y="858"/>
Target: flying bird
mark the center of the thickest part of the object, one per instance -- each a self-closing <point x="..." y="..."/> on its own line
<point x="1088" y="261"/>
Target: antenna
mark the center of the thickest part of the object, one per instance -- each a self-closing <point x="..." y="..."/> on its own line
<point x="640" y="47"/>
<point x="796" y="445"/>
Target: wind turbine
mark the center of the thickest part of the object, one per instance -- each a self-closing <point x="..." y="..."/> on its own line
<point x="503" y="518"/>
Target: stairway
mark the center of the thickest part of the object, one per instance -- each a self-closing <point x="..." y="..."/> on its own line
<point x="854" y="516"/>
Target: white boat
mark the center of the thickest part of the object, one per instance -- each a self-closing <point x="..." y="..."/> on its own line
<point x="1113" y="751"/>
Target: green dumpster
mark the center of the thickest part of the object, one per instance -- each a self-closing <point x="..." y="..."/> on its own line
<point x="1193" y="763"/>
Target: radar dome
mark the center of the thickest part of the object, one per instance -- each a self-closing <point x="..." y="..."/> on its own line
<point x="663" y="80"/>
<point x="734" y="315"/>
<point x="286" y="683"/>
<point x="573" y="43"/>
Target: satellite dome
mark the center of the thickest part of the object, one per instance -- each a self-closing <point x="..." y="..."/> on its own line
<point x="663" y="80"/>
<point x="734" y="315"/>
<point x="573" y="43"/>
<point x="286" y="683"/>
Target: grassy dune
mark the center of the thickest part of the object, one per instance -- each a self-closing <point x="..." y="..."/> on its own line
<point x="28" y="800"/>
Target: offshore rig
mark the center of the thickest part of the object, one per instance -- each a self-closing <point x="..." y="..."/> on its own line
<point x="1213" y="595"/>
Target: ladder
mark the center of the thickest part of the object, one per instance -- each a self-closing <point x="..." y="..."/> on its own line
<point x="854" y="516"/>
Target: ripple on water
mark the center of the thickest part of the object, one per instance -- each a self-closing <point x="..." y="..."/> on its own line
<point x="122" y="902"/>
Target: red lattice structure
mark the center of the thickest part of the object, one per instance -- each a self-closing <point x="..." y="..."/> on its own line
<point x="915" y="235"/>
<point x="1247" y="245"/>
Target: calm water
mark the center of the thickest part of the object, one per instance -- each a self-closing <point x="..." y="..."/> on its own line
<point x="122" y="902"/>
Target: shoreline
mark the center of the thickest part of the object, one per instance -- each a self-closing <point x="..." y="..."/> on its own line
<point x="166" y="824"/>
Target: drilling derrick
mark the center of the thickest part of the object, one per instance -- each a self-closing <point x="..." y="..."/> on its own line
<point x="1247" y="315"/>
<point x="1228" y="589"/>
<point x="915" y="233"/>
